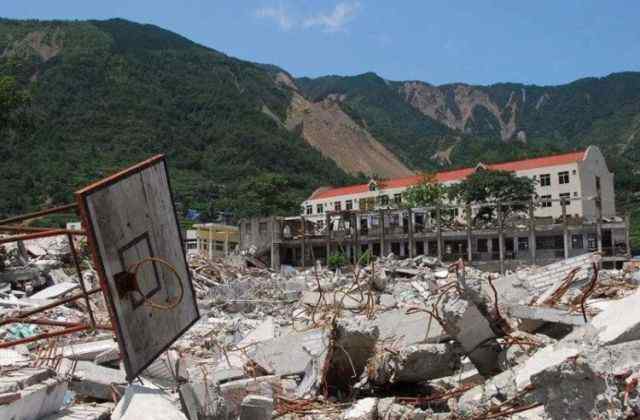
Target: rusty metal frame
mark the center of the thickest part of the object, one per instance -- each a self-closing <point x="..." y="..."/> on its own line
<point x="23" y="233"/>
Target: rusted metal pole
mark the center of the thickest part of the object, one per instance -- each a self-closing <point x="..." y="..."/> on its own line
<point x="76" y="262"/>
<point x="52" y="323"/>
<point x="44" y="336"/>
<point x="51" y="305"/>
<point x="59" y="209"/>
<point x="26" y="229"/>
<point x="36" y="235"/>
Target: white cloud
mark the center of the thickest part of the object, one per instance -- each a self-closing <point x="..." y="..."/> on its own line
<point x="336" y="21"/>
<point x="278" y="14"/>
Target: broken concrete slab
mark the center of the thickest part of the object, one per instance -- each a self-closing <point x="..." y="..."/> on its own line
<point x="407" y="329"/>
<point x="364" y="409"/>
<point x="203" y="401"/>
<point x="15" y="380"/>
<point x="91" y="380"/>
<point x="618" y="322"/>
<point x="141" y="402"/>
<point x="88" y="350"/>
<point x="83" y="412"/>
<point x="36" y="401"/>
<point x="545" y="314"/>
<point x="9" y="357"/>
<point x="343" y="299"/>
<point x="256" y="407"/>
<point x="523" y="286"/>
<point x="463" y="321"/>
<point x="267" y="386"/>
<point x="417" y="363"/>
<point x="55" y="291"/>
<point x="290" y="354"/>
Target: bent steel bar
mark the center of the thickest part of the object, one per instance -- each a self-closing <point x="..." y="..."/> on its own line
<point x="43" y="336"/>
<point x="49" y="306"/>
<point x="27" y="229"/>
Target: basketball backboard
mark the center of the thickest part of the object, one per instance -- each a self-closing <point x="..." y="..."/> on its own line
<point x="134" y="236"/>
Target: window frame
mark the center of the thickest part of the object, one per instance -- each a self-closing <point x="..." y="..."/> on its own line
<point x="545" y="180"/>
<point x="563" y="178"/>
<point x="545" y="201"/>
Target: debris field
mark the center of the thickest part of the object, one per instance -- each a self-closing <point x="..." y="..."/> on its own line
<point x="385" y="339"/>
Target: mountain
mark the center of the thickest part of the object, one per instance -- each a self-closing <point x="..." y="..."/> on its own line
<point x="253" y="139"/>
<point x="105" y="94"/>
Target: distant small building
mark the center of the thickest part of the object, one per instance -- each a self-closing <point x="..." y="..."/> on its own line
<point x="215" y="239"/>
<point x="191" y="241"/>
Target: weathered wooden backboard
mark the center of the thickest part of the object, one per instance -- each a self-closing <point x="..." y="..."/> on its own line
<point x="130" y="217"/>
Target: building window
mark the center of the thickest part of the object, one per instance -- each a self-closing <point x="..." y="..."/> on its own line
<point x="573" y="172"/>
<point x="523" y="244"/>
<point x="367" y="203"/>
<point x="394" y="220"/>
<point x="384" y="200"/>
<point x="545" y="201"/>
<point x="545" y="180"/>
<point x="319" y="208"/>
<point x="577" y="242"/>
<point x="549" y="242"/>
<point x="262" y="229"/>
<point x="309" y="210"/>
<point x="337" y="206"/>
<point x="397" y="198"/>
<point x="563" y="177"/>
<point x="565" y="198"/>
<point x="219" y="246"/>
<point x="575" y="193"/>
<point x="349" y="204"/>
<point x="483" y="245"/>
<point x="592" y="241"/>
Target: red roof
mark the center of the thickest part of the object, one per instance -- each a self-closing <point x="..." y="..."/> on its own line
<point x="455" y="175"/>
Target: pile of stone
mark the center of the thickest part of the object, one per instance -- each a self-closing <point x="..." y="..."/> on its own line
<point x="394" y="339"/>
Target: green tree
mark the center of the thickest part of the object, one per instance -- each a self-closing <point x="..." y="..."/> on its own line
<point x="427" y="192"/>
<point x="488" y="186"/>
<point x="13" y="100"/>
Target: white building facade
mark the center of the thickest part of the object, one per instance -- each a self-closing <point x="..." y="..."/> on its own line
<point x="577" y="178"/>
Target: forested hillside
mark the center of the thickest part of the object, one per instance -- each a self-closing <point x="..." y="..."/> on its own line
<point x="105" y="94"/>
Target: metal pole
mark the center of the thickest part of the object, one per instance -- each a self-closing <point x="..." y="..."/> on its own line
<point x="44" y="335"/>
<point x="59" y="209"/>
<point x="74" y="256"/>
<point x="51" y="305"/>
<point x="36" y="235"/>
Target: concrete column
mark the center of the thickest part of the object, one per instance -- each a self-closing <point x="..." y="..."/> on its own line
<point x="382" y="239"/>
<point x="412" y="243"/>
<point x="211" y="244"/>
<point x="275" y="256"/>
<point x="328" y="238"/>
<point x="439" y="232"/>
<point x="356" y="236"/>
<point x="599" y="224"/>
<point x="469" y="233"/>
<point x="565" y="229"/>
<point x="627" y="238"/>
<point x="303" y="243"/>
<point x="501" y="238"/>
<point x="532" y="234"/>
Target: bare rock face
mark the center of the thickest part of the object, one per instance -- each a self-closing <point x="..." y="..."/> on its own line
<point x="433" y="102"/>
<point x="45" y="45"/>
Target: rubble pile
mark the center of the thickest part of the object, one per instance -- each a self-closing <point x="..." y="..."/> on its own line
<point x="390" y="339"/>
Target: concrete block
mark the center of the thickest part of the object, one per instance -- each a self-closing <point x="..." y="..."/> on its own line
<point x="545" y="314"/>
<point x="415" y="363"/>
<point x="618" y="322"/>
<point x="364" y="409"/>
<point x="235" y="392"/>
<point x="463" y="321"/>
<point x="256" y="407"/>
<point x="88" y="350"/>
<point x="55" y="291"/>
<point x="140" y="402"/>
<point x="91" y="380"/>
<point x="13" y="381"/>
<point x="202" y="401"/>
<point x="83" y="412"/>
<point x="290" y="354"/>
<point x="36" y="401"/>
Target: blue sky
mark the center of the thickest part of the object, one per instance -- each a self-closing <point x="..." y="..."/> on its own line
<point x="475" y="41"/>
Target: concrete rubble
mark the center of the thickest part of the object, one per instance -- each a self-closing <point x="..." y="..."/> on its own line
<point x="409" y="338"/>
